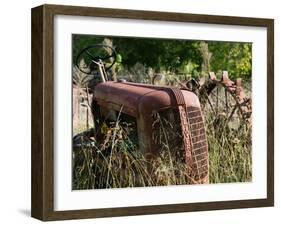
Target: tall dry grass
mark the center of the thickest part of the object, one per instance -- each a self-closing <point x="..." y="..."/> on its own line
<point x="115" y="161"/>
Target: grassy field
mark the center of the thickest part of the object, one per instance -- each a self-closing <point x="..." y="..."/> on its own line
<point x="230" y="155"/>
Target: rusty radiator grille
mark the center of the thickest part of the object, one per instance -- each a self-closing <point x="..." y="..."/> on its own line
<point x="199" y="145"/>
<point x="169" y="120"/>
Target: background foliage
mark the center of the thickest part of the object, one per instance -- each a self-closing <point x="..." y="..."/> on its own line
<point x="177" y="56"/>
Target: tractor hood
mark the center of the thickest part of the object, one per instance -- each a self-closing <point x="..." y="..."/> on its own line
<point x="136" y="98"/>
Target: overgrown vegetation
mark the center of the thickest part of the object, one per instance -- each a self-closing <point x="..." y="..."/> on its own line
<point x="113" y="160"/>
<point x="230" y="151"/>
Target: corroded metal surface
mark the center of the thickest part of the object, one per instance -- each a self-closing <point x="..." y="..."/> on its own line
<point x="194" y="138"/>
<point x="243" y="103"/>
<point x="200" y="159"/>
<point x="185" y="135"/>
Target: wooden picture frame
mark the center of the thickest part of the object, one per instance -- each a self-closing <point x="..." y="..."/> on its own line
<point x="42" y="203"/>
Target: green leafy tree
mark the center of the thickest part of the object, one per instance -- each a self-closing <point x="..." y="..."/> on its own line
<point x="189" y="57"/>
<point x="236" y="58"/>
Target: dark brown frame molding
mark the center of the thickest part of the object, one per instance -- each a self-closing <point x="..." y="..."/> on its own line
<point x="42" y="203"/>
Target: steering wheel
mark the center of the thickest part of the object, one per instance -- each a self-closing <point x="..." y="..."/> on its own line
<point x="93" y="55"/>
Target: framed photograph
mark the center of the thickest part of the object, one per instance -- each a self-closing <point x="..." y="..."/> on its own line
<point x="141" y="112"/>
